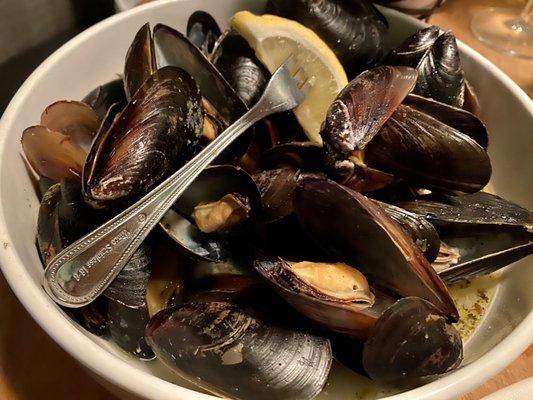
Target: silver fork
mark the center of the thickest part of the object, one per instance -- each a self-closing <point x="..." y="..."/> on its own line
<point x="82" y="271"/>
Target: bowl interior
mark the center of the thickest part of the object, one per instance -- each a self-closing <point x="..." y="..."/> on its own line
<point x="97" y="56"/>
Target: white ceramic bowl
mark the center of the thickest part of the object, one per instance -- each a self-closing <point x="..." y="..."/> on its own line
<point x="97" y="55"/>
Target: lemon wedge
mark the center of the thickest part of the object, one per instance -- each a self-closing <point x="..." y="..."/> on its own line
<point x="274" y="39"/>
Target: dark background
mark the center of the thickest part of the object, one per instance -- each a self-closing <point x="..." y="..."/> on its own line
<point x="34" y="29"/>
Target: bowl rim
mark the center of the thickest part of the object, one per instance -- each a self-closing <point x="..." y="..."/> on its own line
<point x="133" y="380"/>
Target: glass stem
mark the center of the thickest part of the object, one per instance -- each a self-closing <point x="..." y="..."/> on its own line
<point x="527" y="12"/>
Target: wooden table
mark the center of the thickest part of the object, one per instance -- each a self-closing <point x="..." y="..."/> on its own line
<point x="33" y="367"/>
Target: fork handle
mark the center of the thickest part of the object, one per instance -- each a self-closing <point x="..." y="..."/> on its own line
<point x="82" y="271"/>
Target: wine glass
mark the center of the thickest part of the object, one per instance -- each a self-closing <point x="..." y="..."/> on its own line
<point x="506" y="29"/>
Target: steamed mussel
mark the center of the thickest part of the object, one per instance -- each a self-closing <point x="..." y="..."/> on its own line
<point x="289" y="251"/>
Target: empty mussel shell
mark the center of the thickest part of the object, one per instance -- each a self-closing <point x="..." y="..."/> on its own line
<point x="232" y="353"/>
<point x="411" y="343"/>
<point x="428" y="153"/>
<point x="140" y="61"/>
<point x="75" y="119"/>
<point x="356" y="230"/>
<point x="150" y="139"/>
<point x="52" y="154"/>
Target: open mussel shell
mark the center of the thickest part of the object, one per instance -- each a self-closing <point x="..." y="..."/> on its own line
<point x="410" y="344"/>
<point x="482" y="252"/>
<point x="150" y="139"/>
<point x="211" y="185"/>
<point x="358" y="231"/>
<point x="333" y="295"/>
<point x="418" y="228"/>
<point x="237" y="62"/>
<point x="192" y="240"/>
<point x="140" y="61"/>
<point x="104" y="96"/>
<point x="354" y="30"/>
<point x="75" y="119"/>
<point x="215" y="182"/>
<point x="414" y="48"/>
<point x="173" y="48"/>
<point x="52" y="154"/>
<point x="277" y="191"/>
<point x="440" y="75"/>
<point x="355" y="117"/>
<point x="230" y="352"/>
<point x="203" y="31"/>
<point x="459" y="119"/>
<point x="428" y="153"/>
<point x="483" y="231"/>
